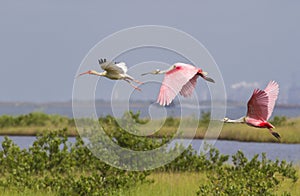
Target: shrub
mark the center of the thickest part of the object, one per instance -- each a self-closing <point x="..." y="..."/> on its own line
<point x="245" y="177"/>
<point x="172" y="122"/>
<point x="278" y="121"/>
<point x="205" y="118"/>
<point x="52" y="163"/>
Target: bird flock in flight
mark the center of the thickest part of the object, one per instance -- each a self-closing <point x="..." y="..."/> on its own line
<point x="181" y="79"/>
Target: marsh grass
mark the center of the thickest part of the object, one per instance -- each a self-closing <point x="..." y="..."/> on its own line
<point x="165" y="184"/>
<point x="187" y="183"/>
<point x="289" y="186"/>
<point x="36" y="123"/>
<point x="289" y="131"/>
<point x="12" y="192"/>
<point x="36" y="130"/>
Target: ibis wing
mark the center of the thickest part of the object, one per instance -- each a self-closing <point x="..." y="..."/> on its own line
<point x="123" y="66"/>
<point x="272" y="91"/>
<point x="173" y="82"/>
<point x="105" y="64"/>
<point x="188" y="88"/>
<point x="111" y="67"/>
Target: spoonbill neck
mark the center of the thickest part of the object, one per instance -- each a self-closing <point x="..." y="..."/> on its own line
<point x="164" y="71"/>
<point x="239" y="120"/>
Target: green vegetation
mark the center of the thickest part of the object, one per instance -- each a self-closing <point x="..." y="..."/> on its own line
<point x="36" y="123"/>
<point x="189" y="183"/>
<point x="245" y="177"/>
<point x="289" y="129"/>
<point x="34" y="119"/>
<point x="167" y="183"/>
<point x="279" y="121"/>
<point x="54" y="166"/>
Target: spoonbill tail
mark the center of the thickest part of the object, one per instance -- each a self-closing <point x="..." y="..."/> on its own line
<point x="260" y="108"/>
<point x="114" y="71"/>
<point x="179" y="78"/>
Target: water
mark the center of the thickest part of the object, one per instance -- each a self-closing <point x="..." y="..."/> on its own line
<point x="288" y="152"/>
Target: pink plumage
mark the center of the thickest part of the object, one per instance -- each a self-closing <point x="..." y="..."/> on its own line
<point x="261" y="106"/>
<point x="272" y="90"/>
<point x="188" y="89"/>
<point x="182" y="79"/>
<point x="262" y="102"/>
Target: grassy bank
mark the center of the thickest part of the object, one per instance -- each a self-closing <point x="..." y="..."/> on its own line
<point x="289" y="131"/>
<point x="36" y="123"/>
<point x="166" y="184"/>
<point x="187" y="183"/>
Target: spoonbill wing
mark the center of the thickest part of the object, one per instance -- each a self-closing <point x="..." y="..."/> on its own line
<point x="261" y="103"/>
<point x="272" y="91"/>
<point x="188" y="88"/>
<point x="173" y="82"/>
<point x="258" y="105"/>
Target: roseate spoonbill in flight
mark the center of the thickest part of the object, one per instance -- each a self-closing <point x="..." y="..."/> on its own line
<point x="179" y="78"/>
<point x="114" y="71"/>
<point x="260" y="108"/>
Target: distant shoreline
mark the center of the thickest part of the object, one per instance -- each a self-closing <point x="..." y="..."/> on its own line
<point x="36" y="123"/>
<point x="134" y="102"/>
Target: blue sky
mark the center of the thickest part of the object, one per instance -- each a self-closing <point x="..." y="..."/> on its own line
<point x="42" y="43"/>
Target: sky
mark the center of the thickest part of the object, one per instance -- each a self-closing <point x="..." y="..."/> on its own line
<point x="42" y="43"/>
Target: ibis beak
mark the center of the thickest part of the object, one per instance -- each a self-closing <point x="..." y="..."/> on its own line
<point x="87" y="72"/>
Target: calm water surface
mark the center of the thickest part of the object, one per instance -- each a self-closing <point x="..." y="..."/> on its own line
<point x="288" y="152"/>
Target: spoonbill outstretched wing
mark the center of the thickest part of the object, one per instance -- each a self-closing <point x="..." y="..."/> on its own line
<point x="260" y="107"/>
<point x="179" y="78"/>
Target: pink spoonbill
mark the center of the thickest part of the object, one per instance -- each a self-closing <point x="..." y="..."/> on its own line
<point x="114" y="71"/>
<point x="260" y="108"/>
<point x="179" y="78"/>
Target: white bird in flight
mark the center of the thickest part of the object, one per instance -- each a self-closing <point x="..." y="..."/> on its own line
<point x="114" y="71"/>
